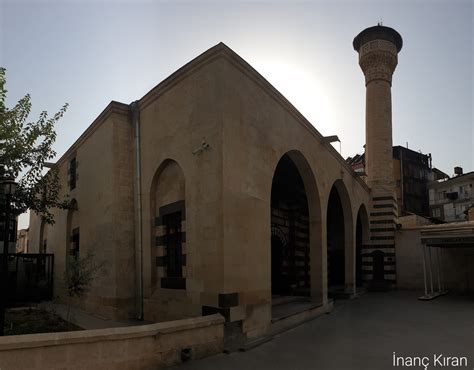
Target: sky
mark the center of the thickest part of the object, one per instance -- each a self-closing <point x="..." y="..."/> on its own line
<point x="89" y="52"/>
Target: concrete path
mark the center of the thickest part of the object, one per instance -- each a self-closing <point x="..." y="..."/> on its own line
<point x="84" y="319"/>
<point x="363" y="334"/>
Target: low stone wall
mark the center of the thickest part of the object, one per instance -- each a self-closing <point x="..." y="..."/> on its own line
<point x="137" y="347"/>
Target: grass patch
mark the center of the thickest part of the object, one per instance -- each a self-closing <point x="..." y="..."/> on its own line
<point x="32" y="321"/>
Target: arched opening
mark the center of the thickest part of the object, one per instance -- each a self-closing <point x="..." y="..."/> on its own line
<point x="290" y="242"/>
<point x="362" y="237"/>
<point x="335" y="241"/>
<point x="280" y="286"/>
<point x="168" y="231"/>
<point x="340" y="242"/>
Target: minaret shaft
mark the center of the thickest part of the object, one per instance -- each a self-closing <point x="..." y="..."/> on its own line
<point x="378" y="131"/>
<point x="378" y="60"/>
<point x="378" y="49"/>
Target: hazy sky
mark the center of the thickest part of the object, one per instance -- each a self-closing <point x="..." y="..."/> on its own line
<point x="88" y="53"/>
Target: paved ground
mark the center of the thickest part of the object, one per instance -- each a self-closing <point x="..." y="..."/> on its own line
<point x="363" y="334"/>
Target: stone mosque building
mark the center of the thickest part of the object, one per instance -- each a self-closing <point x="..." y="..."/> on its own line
<point x="212" y="193"/>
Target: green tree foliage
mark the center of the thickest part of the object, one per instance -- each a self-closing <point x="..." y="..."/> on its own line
<point x="79" y="274"/>
<point x="25" y="147"/>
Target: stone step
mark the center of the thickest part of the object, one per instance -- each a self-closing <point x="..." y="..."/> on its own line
<point x="282" y="311"/>
<point x="281" y="300"/>
<point x="252" y="343"/>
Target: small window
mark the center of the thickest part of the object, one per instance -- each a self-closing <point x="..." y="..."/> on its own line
<point x="74" y="248"/>
<point x="72" y="173"/>
<point x="436" y="212"/>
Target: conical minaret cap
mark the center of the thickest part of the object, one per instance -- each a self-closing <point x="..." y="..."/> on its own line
<point x="378" y="33"/>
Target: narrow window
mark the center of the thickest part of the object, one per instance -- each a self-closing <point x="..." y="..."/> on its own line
<point x="72" y="173"/>
<point x="173" y="241"/>
<point x="75" y="243"/>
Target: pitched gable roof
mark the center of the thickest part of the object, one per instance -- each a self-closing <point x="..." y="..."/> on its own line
<point x="221" y="50"/>
<point x="218" y="51"/>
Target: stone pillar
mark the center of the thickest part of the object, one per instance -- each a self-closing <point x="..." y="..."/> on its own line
<point x="378" y="49"/>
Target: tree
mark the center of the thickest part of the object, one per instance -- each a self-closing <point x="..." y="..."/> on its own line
<point x="79" y="275"/>
<point x="25" y="148"/>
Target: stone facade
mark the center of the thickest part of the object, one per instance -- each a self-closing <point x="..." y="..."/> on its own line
<point x="101" y="213"/>
<point x="178" y="195"/>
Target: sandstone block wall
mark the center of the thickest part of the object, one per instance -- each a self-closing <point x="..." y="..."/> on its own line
<point x="137" y="347"/>
<point x="104" y="215"/>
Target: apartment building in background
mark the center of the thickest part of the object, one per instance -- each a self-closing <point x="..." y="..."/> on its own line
<point x="451" y="198"/>
<point x="412" y="171"/>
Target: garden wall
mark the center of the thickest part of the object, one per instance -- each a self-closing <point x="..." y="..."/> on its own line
<point x="135" y="347"/>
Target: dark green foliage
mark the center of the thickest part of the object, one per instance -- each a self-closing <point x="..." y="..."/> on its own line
<point x="25" y="147"/>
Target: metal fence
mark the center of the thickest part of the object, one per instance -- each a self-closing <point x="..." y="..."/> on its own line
<point x="30" y="278"/>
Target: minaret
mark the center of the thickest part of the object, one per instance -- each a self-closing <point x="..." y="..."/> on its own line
<point x="378" y="49"/>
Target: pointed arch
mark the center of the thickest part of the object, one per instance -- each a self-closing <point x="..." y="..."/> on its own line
<point x="296" y="228"/>
<point x="340" y="239"/>
<point x="362" y="238"/>
<point x="168" y="215"/>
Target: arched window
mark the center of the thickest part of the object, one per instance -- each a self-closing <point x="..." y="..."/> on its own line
<point x="169" y="211"/>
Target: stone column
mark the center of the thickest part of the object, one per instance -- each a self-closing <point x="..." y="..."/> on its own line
<point x="378" y="49"/>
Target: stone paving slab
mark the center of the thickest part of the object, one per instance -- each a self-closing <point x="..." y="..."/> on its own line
<point x="364" y="334"/>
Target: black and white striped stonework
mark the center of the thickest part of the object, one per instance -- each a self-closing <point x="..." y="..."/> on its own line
<point x="378" y="256"/>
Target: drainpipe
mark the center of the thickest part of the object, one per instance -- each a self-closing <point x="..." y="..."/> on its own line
<point x="402" y="185"/>
<point x="138" y="245"/>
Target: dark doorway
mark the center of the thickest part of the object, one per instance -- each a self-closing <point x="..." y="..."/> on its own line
<point x="280" y="285"/>
<point x="172" y="223"/>
<point x="335" y="241"/>
<point x="290" y="232"/>
<point x="378" y="266"/>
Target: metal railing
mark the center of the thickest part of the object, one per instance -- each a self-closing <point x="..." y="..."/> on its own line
<point x="30" y="278"/>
